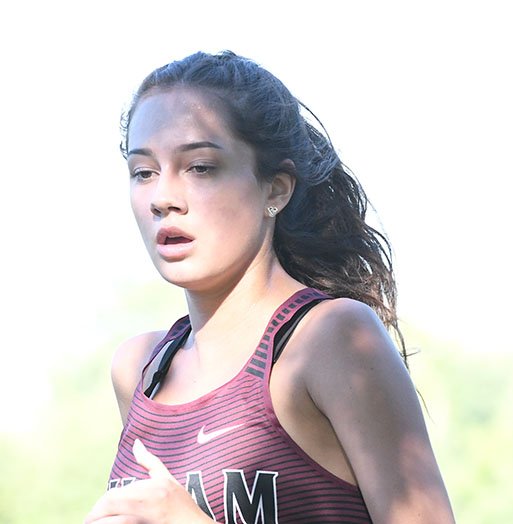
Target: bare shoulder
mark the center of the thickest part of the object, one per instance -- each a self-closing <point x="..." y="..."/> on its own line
<point x="357" y="379"/>
<point x="352" y="365"/>
<point x="127" y="365"/>
<point x="343" y="350"/>
<point x="349" y="330"/>
<point x="350" y="357"/>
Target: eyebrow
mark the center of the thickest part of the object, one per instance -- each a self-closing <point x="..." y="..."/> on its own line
<point x="140" y="151"/>
<point x="183" y="148"/>
<point x="198" y="145"/>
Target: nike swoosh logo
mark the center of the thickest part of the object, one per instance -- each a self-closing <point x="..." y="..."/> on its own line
<point x="203" y="437"/>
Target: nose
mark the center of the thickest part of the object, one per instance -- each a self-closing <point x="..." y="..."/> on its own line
<point x="167" y="198"/>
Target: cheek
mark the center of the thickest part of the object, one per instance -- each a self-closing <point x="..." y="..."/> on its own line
<point x="234" y="209"/>
<point x="246" y="196"/>
<point x="142" y="215"/>
<point x="236" y="222"/>
<point x="136" y="209"/>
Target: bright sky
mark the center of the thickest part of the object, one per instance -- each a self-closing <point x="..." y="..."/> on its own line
<point x="416" y="96"/>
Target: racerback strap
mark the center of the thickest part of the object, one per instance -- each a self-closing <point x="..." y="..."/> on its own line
<point x="280" y="340"/>
<point x="165" y="362"/>
<point x="285" y="332"/>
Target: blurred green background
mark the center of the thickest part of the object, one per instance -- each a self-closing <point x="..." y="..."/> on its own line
<point x="418" y="95"/>
<point x="53" y="473"/>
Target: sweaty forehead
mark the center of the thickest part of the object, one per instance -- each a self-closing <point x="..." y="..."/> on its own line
<point x="178" y="114"/>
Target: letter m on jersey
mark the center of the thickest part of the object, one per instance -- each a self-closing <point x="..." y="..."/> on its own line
<point x="256" y="507"/>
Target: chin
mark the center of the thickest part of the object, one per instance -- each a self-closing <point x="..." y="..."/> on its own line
<point x="177" y="279"/>
<point x="199" y="283"/>
<point x="201" y="275"/>
<point x="185" y="279"/>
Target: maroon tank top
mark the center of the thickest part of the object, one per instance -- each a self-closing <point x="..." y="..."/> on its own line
<point x="229" y="450"/>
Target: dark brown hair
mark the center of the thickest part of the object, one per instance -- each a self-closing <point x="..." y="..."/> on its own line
<point x="321" y="238"/>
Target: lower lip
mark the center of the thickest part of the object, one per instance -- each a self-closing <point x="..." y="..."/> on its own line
<point x="175" y="251"/>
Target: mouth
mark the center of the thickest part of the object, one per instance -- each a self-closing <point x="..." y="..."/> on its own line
<point x="176" y="240"/>
<point x="173" y="244"/>
<point x="172" y="235"/>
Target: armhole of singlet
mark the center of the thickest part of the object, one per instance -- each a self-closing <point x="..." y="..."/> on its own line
<point x="165" y="362"/>
<point x="285" y="332"/>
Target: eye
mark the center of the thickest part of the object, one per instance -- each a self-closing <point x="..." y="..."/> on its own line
<point x="201" y="169"/>
<point x="142" y="174"/>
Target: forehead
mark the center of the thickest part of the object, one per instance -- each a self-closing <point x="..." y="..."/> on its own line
<point x="178" y="114"/>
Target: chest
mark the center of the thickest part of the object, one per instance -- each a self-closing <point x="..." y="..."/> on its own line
<point x="193" y="374"/>
<point x="229" y="451"/>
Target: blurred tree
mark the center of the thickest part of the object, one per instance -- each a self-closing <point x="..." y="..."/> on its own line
<point x="468" y="397"/>
<point x="55" y="473"/>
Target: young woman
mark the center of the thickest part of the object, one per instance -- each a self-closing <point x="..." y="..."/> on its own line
<point x="280" y="397"/>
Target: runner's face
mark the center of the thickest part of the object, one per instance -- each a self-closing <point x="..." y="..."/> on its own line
<point x="194" y="191"/>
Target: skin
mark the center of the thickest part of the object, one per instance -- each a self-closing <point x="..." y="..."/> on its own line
<point x="352" y="408"/>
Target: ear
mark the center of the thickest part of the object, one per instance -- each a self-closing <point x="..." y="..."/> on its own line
<point x="282" y="185"/>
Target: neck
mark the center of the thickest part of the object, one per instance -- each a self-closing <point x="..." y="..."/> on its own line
<point x="238" y="307"/>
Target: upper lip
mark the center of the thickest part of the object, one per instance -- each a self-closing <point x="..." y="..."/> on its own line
<point x="171" y="232"/>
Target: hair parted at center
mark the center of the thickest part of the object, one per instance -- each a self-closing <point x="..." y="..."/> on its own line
<point x="321" y="237"/>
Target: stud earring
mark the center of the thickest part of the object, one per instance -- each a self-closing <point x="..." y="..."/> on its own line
<point x="272" y="211"/>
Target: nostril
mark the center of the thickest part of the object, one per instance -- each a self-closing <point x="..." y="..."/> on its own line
<point x="155" y="210"/>
<point x="166" y="198"/>
<point x="161" y="209"/>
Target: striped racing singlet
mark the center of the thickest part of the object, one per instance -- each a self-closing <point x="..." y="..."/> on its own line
<point x="229" y="450"/>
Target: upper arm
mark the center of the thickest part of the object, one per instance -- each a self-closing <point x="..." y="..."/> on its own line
<point x="127" y="365"/>
<point x="358" y="380"/>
